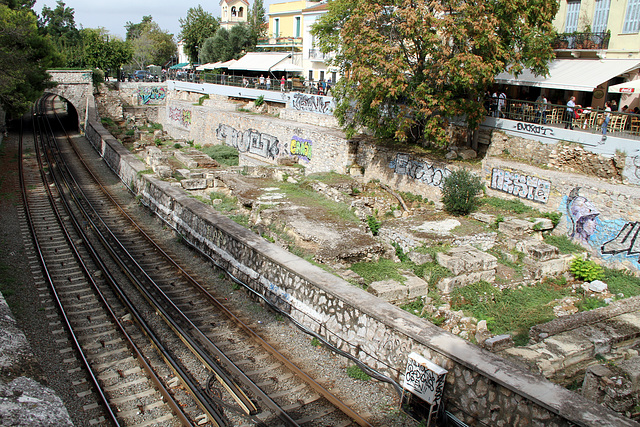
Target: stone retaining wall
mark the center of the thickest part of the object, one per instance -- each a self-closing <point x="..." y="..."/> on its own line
<point x="481" y="388"/>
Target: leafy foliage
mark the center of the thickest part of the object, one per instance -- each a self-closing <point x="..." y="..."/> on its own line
<point x="587" y="270"/>
<point x="227" y="44"/>
<point x="198" y="26"/>
<point x="374" y="225"/>
<point x="410" y="66"/>
<point x="150" y="44"/>
<point x="25" y="55"/>
<point x="460" y="192"/>
<point x="357" y="374"/>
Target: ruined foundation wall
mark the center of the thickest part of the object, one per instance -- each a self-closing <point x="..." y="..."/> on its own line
<point x="481" y="388"/>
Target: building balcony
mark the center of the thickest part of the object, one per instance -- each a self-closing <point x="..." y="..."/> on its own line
<point x="280" y="41"/>
<point x="582" y="41"/>
<point x="317" y="55"/>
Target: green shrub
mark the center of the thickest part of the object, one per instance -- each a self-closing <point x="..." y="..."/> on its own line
<point x="460" y="192"/>
<point x="356" y="373"/>
<point x="259" y="101"/>
<point x="202" y="98"/>
<point x="223" y="154"/>
<point x="587" y="270"/>
<point x="374" y="225"/>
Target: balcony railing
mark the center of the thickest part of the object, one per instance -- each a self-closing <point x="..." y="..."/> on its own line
<point x="588" y="41"/>
<point x="316" y="54"/>
<point x="281" y="41"/>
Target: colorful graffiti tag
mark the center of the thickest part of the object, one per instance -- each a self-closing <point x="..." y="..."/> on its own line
<point x="249" y="141"/>
<point x="300" y="147"/>
<point x="428" y="174"/>
<point x="151" y="95"/>
<point x="520" y="185"/>
<point x="312" y="103"/>
<point x="181" y="116"/>
<point x="612" y="239"/>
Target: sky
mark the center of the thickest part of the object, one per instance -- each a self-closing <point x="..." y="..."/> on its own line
<point x="114" y="14"/>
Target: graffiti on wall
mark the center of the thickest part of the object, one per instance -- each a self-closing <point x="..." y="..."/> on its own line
<point x="425" y="379"/>
<point x="520" y="185"/>
<point x="534" y="129"/>
<point x="249" y="141"/>
<point x="421" y="171"/>
<point x="300" y="147"/>
<point x="612" y="239"/>
<point x="181" y="116"/>
<point x="151" y="95"/>
<point x="313" y="103"/>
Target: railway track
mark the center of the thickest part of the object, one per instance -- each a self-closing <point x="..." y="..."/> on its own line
<point x="160" y="349"/>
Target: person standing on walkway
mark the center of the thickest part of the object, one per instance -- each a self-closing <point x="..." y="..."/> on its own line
<point x="268" y="80"/>
<point x="282" y="84"/>
<point x="607" y="118"/>
<point x="569" y="113"/>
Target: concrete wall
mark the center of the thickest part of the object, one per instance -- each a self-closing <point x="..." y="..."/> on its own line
<point x="481" y="388"/>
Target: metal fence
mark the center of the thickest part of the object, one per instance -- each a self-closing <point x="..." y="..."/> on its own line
<point x="584" y="119"/>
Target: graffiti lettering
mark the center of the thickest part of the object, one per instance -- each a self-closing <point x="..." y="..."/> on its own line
<point x="147" y="95"/>
<point x="626" y="241"/>
<point x="313" y="103"/>
<point x="423" y="381"/>
<point x="301" y="148"/>
<point x="531" y="128"/>
<point x="249" y="141"/>
<point x="420" y="171"/>
<point x="181" y="116"/>
<point x="523" y="186"/>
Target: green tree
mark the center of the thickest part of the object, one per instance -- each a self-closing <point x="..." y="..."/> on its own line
<point x="25" y="56"/>
<point x="59" y="25"/>
<point x="195" y="29"/>
<point x="150" y="44"/>
<point x="226" y="45"/>
<point x="410" y="66"/>
<point x="104" y="52"/>
<point x="256" y="19"/>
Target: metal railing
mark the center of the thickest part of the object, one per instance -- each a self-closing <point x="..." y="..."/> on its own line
<point x="585" y="119"/>
<point x="583" y="41"/>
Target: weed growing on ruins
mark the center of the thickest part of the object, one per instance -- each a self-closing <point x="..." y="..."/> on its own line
<point x="383" y="269"/>
<point x="315" y="342"/>
<point x="510" y="310"/>
<point x="259" y="101"/>
<point x="585" y="269"/>
<point x="461" y="191"/>
<point x="621" y="282"/>
<point x="507" y="205"/>
<point x="589" y="303"/>
<point x="356" y="373"/>
<point x="564" y="244"/>
<point x="223" y="154"/>
<point x="243" y="220"/>
<point x="302" y="192"/>
<point x="226" y="205"/>
<point x="373" y="224"/>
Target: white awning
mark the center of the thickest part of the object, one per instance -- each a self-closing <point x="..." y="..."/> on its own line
<point x="288" y="67"/>
<point x="573" y="74"/>
<point x="227" y="64"/>
<point x="259" y="61"/>
<point x="208" y="66"/>
<point x="626" y="87"/>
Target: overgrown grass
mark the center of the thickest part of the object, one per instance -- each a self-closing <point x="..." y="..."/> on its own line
<point x="621" y="282"/>
<point x="564" y="244"/>
<point x="223" y="154"/>
<point x="384" y="269"/>
<point x="511" y="310"/>
<point x="303" y="194"/>
<point x="229" y="204"/>
<point x="356" y="373"/>
<point x="508" y="205"/>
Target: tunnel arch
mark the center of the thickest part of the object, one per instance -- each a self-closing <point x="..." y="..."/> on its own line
<point x="75" y="87"/>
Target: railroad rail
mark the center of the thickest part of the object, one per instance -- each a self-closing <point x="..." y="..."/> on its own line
<point x="159" y="314"/>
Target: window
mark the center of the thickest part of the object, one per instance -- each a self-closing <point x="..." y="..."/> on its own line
<point x="276" y="27"/>
<point x="601" y="16"/>
<point x="632" y="17"/>
<point x="571" y="22"/>
<point x="233" y="11"/>
<point x="321" y="75"/>
<point x="310" y="75"/>
<point x="240" y="11"/>
<point x="298" y="26"/>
